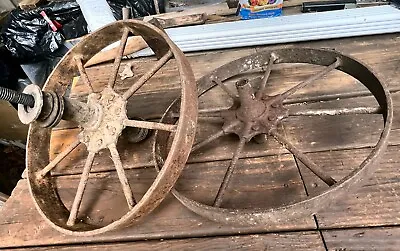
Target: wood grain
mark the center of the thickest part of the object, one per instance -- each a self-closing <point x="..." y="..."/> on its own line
<point x="308" y="133"/>
<point x="375" y="203"/>
<point x="363" y="239"/>
<point x="30" y="4"/>
<point x="176" y="19"/>
<point x="104" y="202"/>
<point x="378" y="57"/>
<point x="335" y="143"/>
<point x="281" y="241"/>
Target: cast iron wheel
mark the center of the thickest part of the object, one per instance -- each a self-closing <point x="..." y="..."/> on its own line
<point x="102" y="120"/>
<point x="254" y="114"/>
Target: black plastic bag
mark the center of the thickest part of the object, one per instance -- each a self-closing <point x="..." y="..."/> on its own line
<point x="29" y="37"/>
<point x="10" y="71"/>
<point x="140" y="8"/>
<point x="11" y="74"/>
<point x="69" y="15"/>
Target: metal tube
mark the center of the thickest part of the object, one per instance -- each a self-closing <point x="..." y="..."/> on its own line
<point x="78" y="112"/>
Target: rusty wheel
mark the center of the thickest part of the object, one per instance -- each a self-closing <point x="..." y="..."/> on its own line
<point x="252" y="114"/>
<point x="101" y="120"/>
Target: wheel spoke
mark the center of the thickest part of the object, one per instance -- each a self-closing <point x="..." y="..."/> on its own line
<point x="217" y="115"/>
<point x="207" y="113"/>
<point x="340" y="111"/>
<point x="81" y="189"/>
<point x="212" y="137"/>
<point x="150" y="125"/>
<point x="118" y="58"/>
<point x="261" y="90"/>
<point x="211" y="119"/>
<point x="82" y="72"/>
<point x="303" y="158"/>
<point x="228" y="173"/>
<point x="208" y="140"/>
<point x="148" y="75"/>
<point x="59" y="158"/>
<point x="311" y="79"/>
<point x="226" y="90"/>
<point x="122" y="177"/>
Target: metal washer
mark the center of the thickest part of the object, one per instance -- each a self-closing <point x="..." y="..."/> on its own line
<point x="28" y="114"/>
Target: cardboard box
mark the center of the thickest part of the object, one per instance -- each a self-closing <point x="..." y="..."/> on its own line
<point x="252" y="9"/>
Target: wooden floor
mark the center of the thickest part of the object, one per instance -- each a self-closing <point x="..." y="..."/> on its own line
<point x="366" y="219"/>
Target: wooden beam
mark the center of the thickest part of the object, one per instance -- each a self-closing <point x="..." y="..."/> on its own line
<point x="30" y="4"/>
<point x="365" y="239"/>
<point x="104" y="202"/>
<point x="309" y="240"/>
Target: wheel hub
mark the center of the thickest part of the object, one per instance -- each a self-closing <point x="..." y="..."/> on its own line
<point x="259" y="115"/>
<point x="107" y="125"/>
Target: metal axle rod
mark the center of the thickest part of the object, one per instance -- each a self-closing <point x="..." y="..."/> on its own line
<point x="52" y="109"/>
<point x="16" y="97"/>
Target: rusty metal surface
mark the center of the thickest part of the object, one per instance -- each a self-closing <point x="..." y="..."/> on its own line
<point x="255" y="114"/>
<point x="102" y="120"/>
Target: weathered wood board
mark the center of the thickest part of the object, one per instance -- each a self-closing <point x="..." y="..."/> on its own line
<point x="104" y="202"/>
<point x="363" y="239"/>
<point x="160" y="95"/>
<point x="375" y="203"/>
<point x="337" y="144"/>
<point x="281" y="241"/>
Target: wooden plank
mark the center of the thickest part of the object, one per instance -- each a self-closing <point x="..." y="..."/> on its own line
<point x="17" y="219"/>
<point x="165" y="79"/>
<point x="310" y="134"/>
<point x="139" y="155"/>
<point x="6" y="5"/>
<point x="104" y="202"/>
<point x="327" y="132"/>
<point x="363" y="239"/>
<point x="30" y="4"/>
<point x="281" y="241"/>
<point x="220" y="9"/>
<point x="375" y="203"/>
<point x="133" y="44"/>
<point x="371" y="50"/>
<point x="133" y="155"/>
<point x="253" y="179"/>
<point x="367" y="49"/>
<point x="176" y="19"/>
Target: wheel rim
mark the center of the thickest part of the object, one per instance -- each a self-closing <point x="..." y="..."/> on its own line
<point x="44" y="190"/>
<point x="267" y="217"/>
